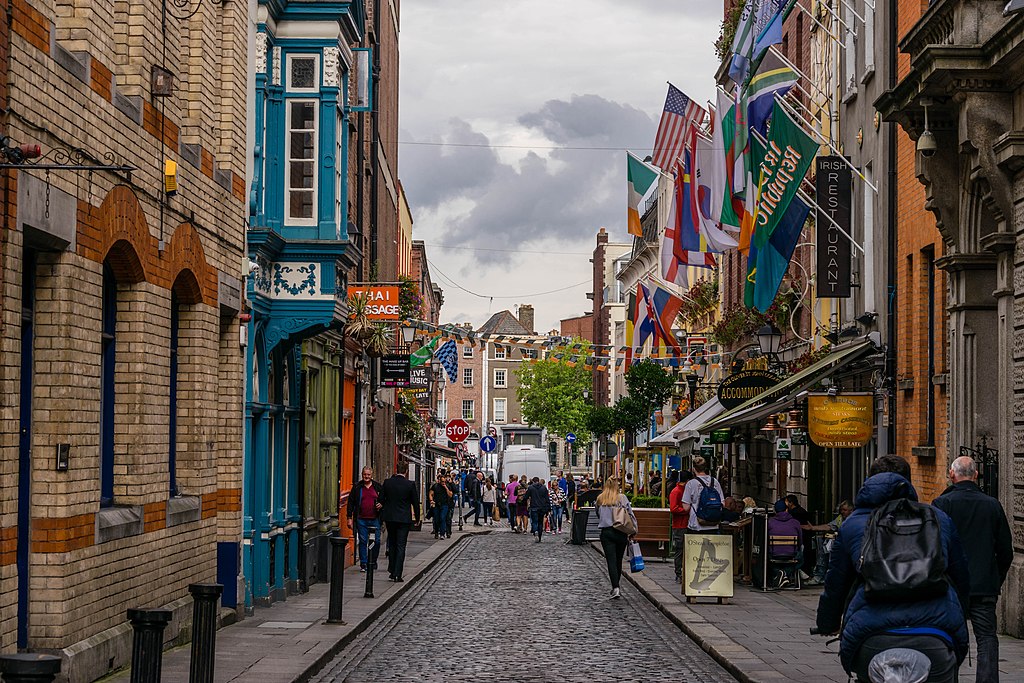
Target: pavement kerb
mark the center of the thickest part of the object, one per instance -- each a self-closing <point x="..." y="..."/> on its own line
<point x="694" y="625"/>
<point x="355" y="629"/>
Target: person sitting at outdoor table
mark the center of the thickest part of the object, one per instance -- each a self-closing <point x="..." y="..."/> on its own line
<point x="749" y="505"/>
<point x="783" y="524"/>
<point x="804" y="517"/>
<point x="731" y="509"/>
<point x="586" y="497"/>
<point x="821" y="566"/>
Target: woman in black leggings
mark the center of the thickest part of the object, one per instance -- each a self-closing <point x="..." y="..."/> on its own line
<point x="613" y="540"/>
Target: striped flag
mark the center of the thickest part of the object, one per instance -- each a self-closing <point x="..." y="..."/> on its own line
<point x="639" y="178"/>
<point x="773" y="77"/>
<point x="756" y="16"/>
<point x="679" y="115"/>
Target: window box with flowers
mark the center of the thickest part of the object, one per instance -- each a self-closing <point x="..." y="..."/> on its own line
<point x="700" y="304"/>
<point x="740" y="322"/>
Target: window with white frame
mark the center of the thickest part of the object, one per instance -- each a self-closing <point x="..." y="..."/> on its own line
<point x="500" y="409"/>
<point x="467" y="351"/>
<point x="500" y="381"/>
<point x="499" y="351"/>
<point x="301" y="153"/>
<point x="467" y="377"/>
<point x="303" y="73"/>
<point x="467" y="410"/>
<point x="442" y="410"/>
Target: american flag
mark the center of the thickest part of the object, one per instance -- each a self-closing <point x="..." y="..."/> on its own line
<point x="448" y="356"/>
<point x="679" y="115"/>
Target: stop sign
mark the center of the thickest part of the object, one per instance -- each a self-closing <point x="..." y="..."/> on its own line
<point x="457" y="430"/>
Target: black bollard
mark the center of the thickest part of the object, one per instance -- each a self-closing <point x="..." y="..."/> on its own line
<point x="371" y="561"/>
<point x="205" y="597"/>
<point x="29" y="667"/>
<point x="338" y="544"/>
<point x="147" y="643"/>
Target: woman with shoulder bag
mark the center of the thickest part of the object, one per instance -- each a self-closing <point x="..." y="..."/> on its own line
<point x="618" y="525"/>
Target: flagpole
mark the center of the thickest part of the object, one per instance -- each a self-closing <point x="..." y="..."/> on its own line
<point x="789" y="110"/>
<point x="821" y="212"/>
<point x="853" y="11"/>
<point x="800" y="73"/>
<point x="839" y="19"/>
<point x="820" y="25"/>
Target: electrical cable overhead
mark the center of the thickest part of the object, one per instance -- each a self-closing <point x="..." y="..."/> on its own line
<point x="493" y="146"/>
<point x="509" y="251"/>
<point x="505" y="296"/>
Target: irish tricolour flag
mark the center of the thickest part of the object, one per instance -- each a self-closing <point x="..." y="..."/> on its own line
<point x="639" y="178"/>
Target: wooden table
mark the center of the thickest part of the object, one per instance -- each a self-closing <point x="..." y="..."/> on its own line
<point x="741" y="533"/>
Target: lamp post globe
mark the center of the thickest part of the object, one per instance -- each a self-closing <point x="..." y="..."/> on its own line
<point x="768" y="340"/>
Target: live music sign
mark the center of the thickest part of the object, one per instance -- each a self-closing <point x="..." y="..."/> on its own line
<point x="834" y="188"/>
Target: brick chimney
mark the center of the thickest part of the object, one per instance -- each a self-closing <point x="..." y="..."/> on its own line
<point x="526" y="317"/>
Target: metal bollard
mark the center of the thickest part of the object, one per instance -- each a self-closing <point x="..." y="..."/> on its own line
<point x="205" y="597"/>
<point x="371" y="561"/>
<point x="29" y="667"/>
<point x="338" y="544"/>
<point x="147" y="643"/>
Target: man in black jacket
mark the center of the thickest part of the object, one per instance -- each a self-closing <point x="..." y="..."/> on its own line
<point x="540" y="506"/>
<point x="364" y="514"/>
<point x="985" y="534"/>
<point x="475" y="492"/>
<point x="400" y="499"/>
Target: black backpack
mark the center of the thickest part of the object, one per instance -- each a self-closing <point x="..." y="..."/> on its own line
<point x="901" y="555"/>
<point x="709" y="507"/>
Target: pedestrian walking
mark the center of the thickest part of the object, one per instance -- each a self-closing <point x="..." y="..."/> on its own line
<point x="440" y="495"/>
<point x="510" y="502"/>
<point x="522" y="505"/>
<point x="557" y="507"/>
<point x="680" y="523"/>
<point x="475" y="491"/>
<point x="400" y="501"/>
<point x="570" y="498"/>
<point x="364" y="511"/>
<point x="692" y="493"/>
<point x="489" y="496"/>
<point x="934" y="625"/>
<point x="540" y="506"/>
<point x="613" y="541"/>
<point x="985" y="534"/>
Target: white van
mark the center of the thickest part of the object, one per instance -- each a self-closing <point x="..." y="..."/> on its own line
<point x="528" y="460"/>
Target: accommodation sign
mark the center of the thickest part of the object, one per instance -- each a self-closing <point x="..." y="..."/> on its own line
<point x="740" y="387"/>
<point x="834" y="187"/>
<point x="381" y="300"/>
<point x="843" y="421"/>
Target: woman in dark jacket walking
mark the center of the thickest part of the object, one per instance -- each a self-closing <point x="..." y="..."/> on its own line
<point x="934" y="626"/>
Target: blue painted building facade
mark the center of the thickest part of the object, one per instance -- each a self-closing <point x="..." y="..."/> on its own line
<point x="300" y="255"/>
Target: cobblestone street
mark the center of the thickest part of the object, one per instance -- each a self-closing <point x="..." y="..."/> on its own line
<point x="503" y="606"/>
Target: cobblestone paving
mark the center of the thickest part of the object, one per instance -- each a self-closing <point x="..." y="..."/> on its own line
<point x="504" y="608"/>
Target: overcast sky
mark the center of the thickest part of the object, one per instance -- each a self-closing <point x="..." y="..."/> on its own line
<point x="506" y="205"/>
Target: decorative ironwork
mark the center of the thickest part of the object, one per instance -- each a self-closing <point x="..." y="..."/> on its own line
<point x="988" y="466"/>
<point x="57" y="158"/>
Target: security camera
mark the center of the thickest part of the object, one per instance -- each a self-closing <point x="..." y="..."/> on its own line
<point x="926" y="144"/>
<point x="253" y="266"/>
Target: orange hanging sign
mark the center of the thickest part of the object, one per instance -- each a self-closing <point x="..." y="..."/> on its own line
<point x="381" y="301"/>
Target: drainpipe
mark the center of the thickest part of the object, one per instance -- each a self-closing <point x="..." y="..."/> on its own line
<point x="890" y="355"/>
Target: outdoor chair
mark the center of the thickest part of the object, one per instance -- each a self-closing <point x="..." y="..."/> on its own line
<point x="784" y="555"/>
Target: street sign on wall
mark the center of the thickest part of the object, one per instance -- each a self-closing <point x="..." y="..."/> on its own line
<point x="381" y="300"/>
<point x="457" y="430"/>
<point x="842" y="421"/>
<point x="740" y="387"/>
<point x="488" y="444"/>
<point x="394" y="370"/>
<point x="834" y="185"/>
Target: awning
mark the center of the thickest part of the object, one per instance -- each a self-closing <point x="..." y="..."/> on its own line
<point x="686" y="428"/>
<point x="787" y="391"/>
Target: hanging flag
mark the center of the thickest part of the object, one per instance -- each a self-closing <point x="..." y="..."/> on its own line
<point x="679" y="115"/>
<point x="423" y="354"/>
<point x="773" y="77"/>
<point x="639" y="178"/>
<point x="448" y="356"/>
<point x="643" y="317"/>
<point x="789" y="153"/>
<point x="770" y="35"/>
<point x="726" y="209"/>
<point x="666" y="307"/>
<point x="630" y="312"/>
<point x="697" y="208"/>
<point x="681" y="244"/>
<point x="766" y="266"/>
<point x="755" y="18"/>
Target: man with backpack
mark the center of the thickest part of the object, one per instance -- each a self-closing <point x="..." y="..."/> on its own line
<point x="702" y="500"/>
<point x="897" y="578"/>
<point x="981" y="522"/>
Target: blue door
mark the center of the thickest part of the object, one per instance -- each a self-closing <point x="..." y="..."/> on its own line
<point x="28" y="299"/>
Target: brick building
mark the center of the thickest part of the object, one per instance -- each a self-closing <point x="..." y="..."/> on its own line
<point x="120" y="341"/>
<point x="609" y="309"/>
<point x="581" y="327"/>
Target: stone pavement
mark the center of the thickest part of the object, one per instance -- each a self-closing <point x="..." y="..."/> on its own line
<point x="502" y="607"/>
<point x="762" y="636"/>
<point x="289" y="640"/>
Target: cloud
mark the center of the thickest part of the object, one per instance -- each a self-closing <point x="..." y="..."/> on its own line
<point x="444" y="172"/>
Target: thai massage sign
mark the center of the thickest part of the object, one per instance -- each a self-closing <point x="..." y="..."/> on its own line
<point x="833" y="183"/>
<point x="381" y="301"/>
<point x="787" y="156"/>
<point x="841" y="421"/>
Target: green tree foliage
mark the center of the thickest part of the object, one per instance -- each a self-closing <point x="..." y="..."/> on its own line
<point x="649" y="384"/>
<point x="630" y="415"/>
<point x="551" y="393"/>
<point x="601" y="421"/>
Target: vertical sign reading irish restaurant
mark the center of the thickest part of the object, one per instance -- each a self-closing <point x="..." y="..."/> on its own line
<point x="833" y="184"/>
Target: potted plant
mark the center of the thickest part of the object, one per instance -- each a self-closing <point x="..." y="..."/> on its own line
<point x="378" y="340"/>
<point x="358" y="326"/>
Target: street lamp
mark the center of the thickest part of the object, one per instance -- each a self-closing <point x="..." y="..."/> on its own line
<point x="768" y="340"/>
<point x="408" y="333"/>
<point x="693" y="378"/>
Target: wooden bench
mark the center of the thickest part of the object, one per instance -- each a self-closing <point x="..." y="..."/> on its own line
<point x="655" y="526"/>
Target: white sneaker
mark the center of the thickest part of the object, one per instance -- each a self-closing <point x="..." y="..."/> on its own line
<point x="616" y="593"/>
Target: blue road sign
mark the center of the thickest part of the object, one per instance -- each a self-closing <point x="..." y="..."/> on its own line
<point x="488" y="444"/>
<point x="570" y="438"/>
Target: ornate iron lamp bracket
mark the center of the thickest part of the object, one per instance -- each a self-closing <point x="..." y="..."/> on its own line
<point x="57" y="159"/>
